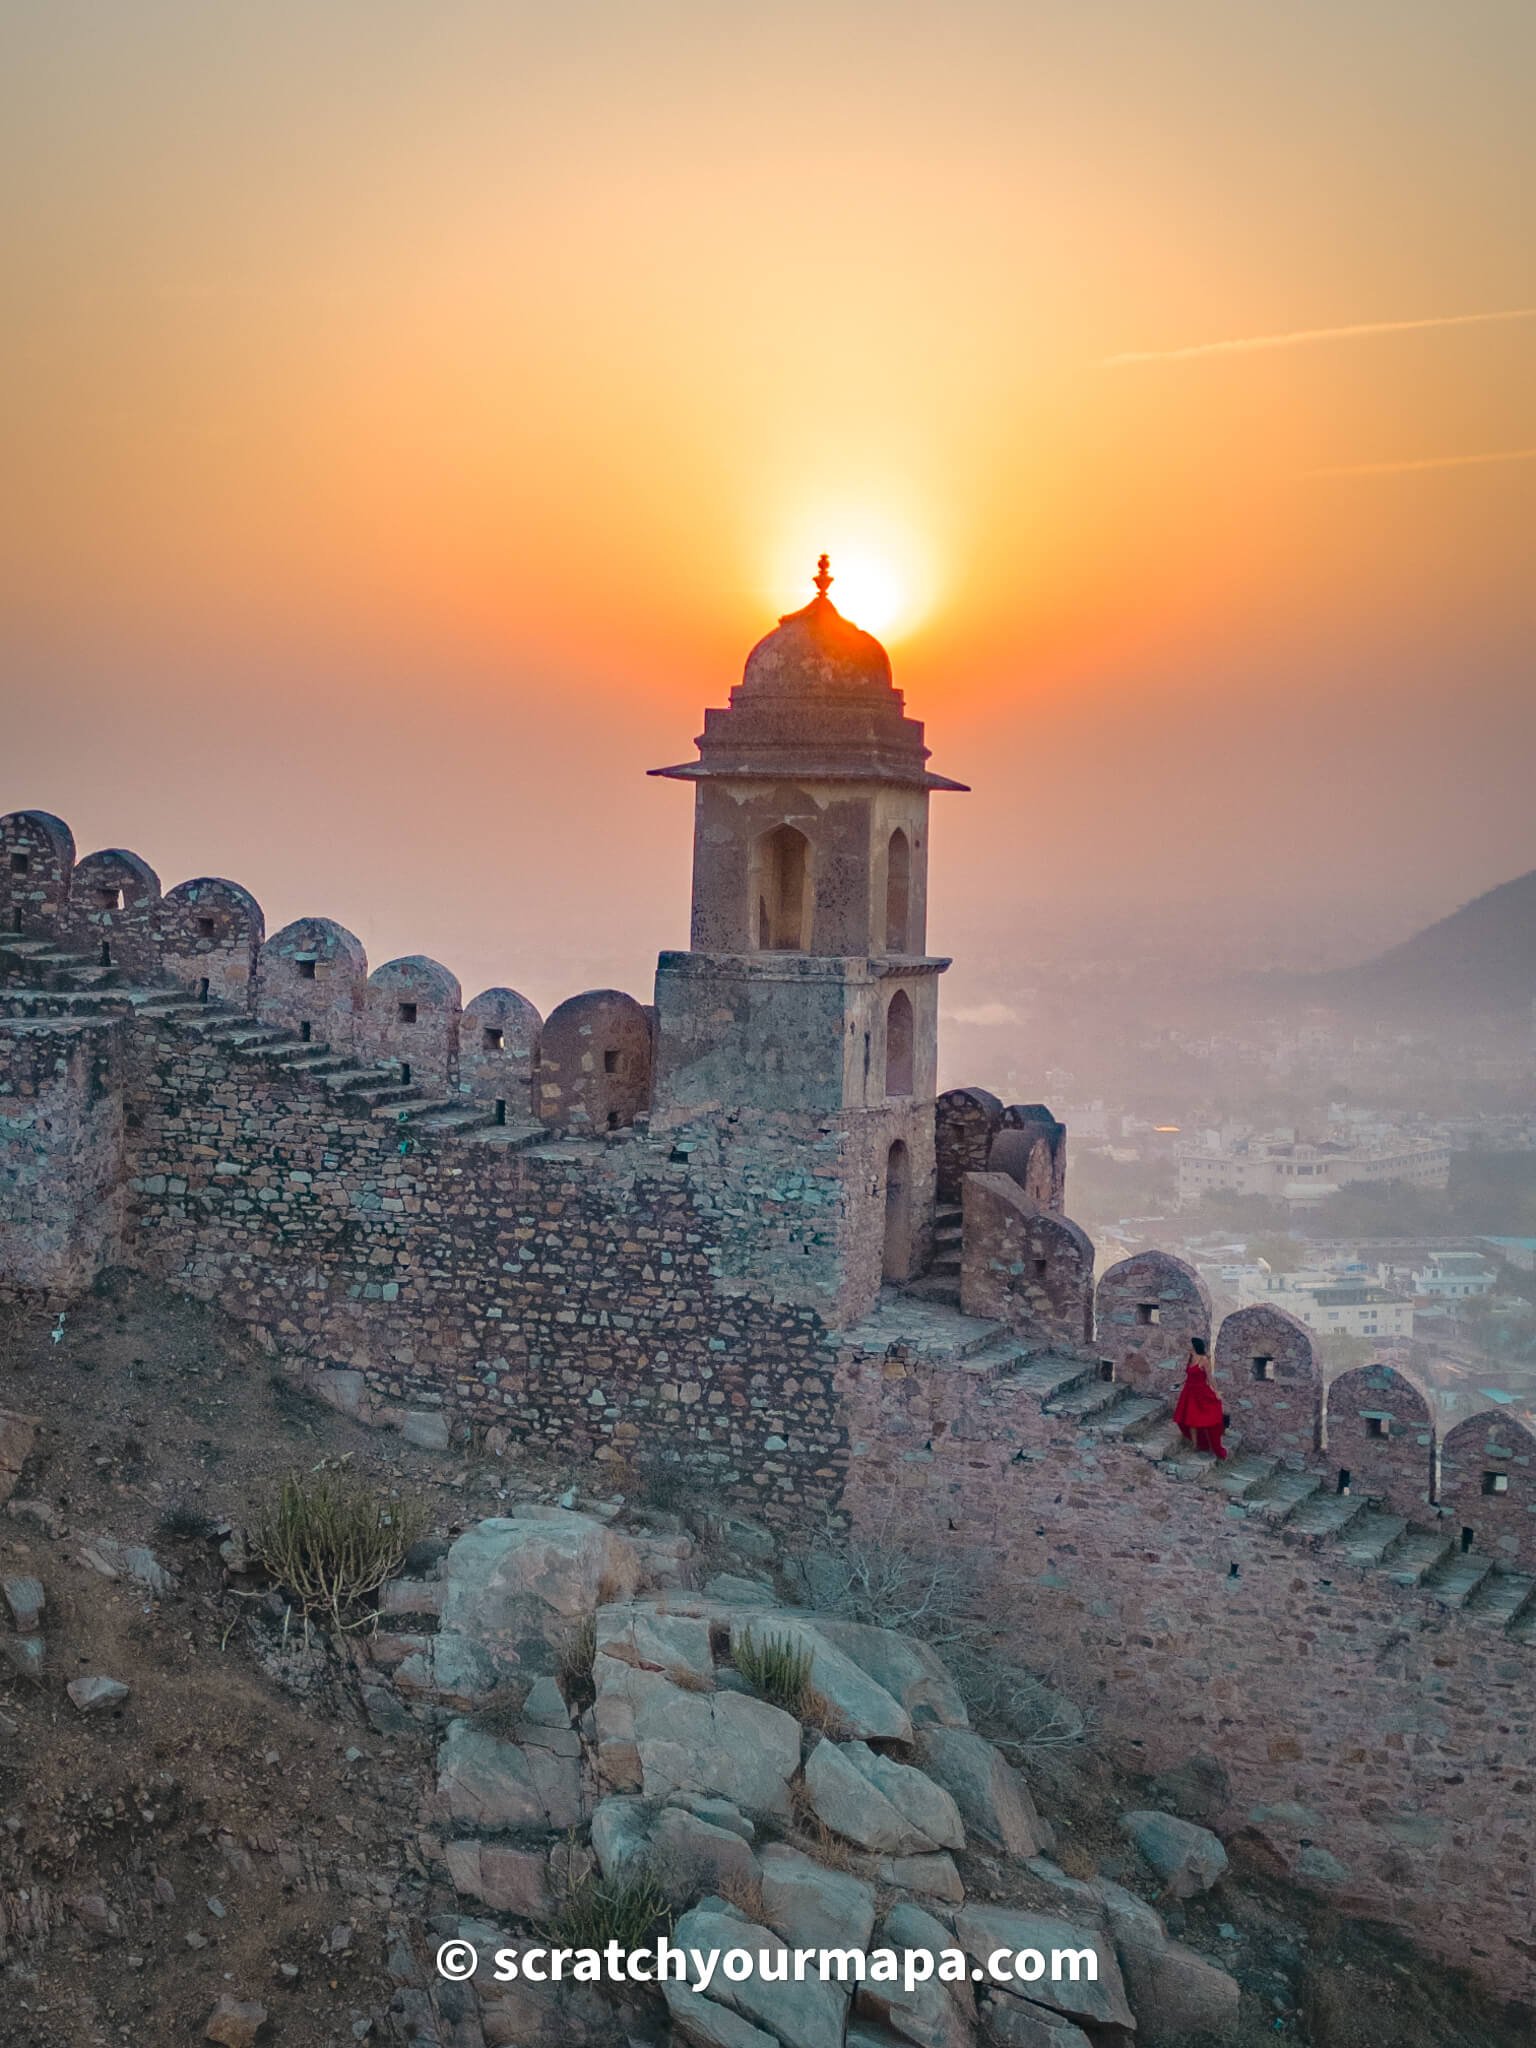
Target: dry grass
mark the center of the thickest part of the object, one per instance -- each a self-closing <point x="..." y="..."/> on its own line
<point x="686" y="1679"/>
<point x="577" y="1652"/>
<point x="330" y="1540"/>
<point x="744" y="1893"/>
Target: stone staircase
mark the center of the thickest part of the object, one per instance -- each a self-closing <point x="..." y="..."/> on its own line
<point x="1295" y="1504"/>
<point x="941" y="1281"/>
<point x="46" y="981"/>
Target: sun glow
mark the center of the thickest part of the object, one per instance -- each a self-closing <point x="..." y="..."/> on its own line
<point x="879" y="580"/>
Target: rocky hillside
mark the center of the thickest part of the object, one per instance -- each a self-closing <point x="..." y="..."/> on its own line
<point x="1480" y="961"/>
<point x="584" y="1708"/>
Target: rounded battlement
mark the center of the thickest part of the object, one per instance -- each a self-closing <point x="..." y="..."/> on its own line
<point x="113" y="899"/>
<point x="37" y="858"/>
<point x="209" y="934"/>
<point x="499" y="1050"/>
<point x="1486" y="1486"/>
<point x="1378" y="1431"/>
<point x="1147" y="1309"/>
<point x="965" y="1122"/>
<point x="1030" y="1146"/>
<point x="1269" y="1375"/>
<point x="312" y="979"/>
<point x="595" y="1062"/>
<point x="410" y="1020"/>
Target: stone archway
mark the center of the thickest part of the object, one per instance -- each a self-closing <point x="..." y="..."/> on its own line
<point x="897" y="1263"/>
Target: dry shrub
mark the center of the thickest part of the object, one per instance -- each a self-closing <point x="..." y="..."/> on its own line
<point x="577" y="1653"/>
<point x="744" y="1893"/>
<point x="631" y="1910"/>
<point x="500" y="1713"/>
<point x="330" y="1540"/>
<point x="778" y="1670"/>
<point x="1076" y="1862"/>
<point x="814" y="1836"/>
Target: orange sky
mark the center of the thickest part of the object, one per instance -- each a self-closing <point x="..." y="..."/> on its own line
<point x="412" y="413"/>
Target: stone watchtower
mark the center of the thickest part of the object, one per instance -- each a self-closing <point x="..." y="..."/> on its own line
<point x="805" y="1016"/>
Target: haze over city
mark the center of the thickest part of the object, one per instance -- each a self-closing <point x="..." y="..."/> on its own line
<point x="412" y="415"/>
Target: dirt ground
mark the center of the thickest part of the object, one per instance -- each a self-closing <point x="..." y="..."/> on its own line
<point x="238" y="1826"/>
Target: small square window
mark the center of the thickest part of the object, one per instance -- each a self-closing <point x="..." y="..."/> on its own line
<point x="1042" y="1269"/>
<point x="407" y="1013"/>
<point x="1263" y="1368"/>
<point x="492" y="1038"/>
<point x="20" y="862"/>
<point x="1495" y="1482"/>
<point x="111" y="899"/>
<point x="1149" y="1312"/>
<point x="206" y="927"/>
<point x="610" y="1062"/>
<point x="1378" y="1425"/>
<point x="306" y="970"/>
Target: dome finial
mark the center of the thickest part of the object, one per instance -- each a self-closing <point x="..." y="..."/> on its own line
<point x="823" y="577"/>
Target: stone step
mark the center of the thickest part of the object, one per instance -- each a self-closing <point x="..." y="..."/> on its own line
<point x="1277" y="1498"/>
<point x="948" y="1230"/>
<point x="1241" y="1474"/>
<point x="309" y="1056"/>
<point x="1365" y="1541"/>
<point x="1502" y="1596"/>
<point x="451" y="1117"/>
<point x="1049" y="1375"/>
<point x="502" y="1137"/>
<point x="1130" y="1415"/>
<point x="352" y="1079"/>
<point x="256" y="1038"/>
<point x="1457" y="1577"/>
<point x="1323" y="1517"/>
<point x="1415" y="1554"/>
<point x="942" y="1287"/>
<point x="1088" y="1401"/>
<point x="1522" y="1628"/>
<point x="945" y="1261"/>
<point x="1160" y="1441"/>
<point x="14" y="942"/>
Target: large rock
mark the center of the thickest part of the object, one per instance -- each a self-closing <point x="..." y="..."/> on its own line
<point x="25" y="1599"/>
<point x="1011" y="2022"/>
<point x="655" y="1641"/>
<point x="688" y="1855"/>
<point x="703" y="2024"/>
<point x="888" y="1807"/>
<point x="489" y="1783"/>
<point x="621" y="1834"/>
<point x="236" y="2022"/>
<point x="930" y="2013"/>
<point x="908" y="1670"/>
<point x="724" y="1745"/>
<point x="993" y="1799"/>
<point x="809" y="1906"/>
<point x="1099" y="1999"/>
<point x="1177" y="1994"/>
<point x="1196" y="1789"/>
<point x="860" y="1704"/>
<point x="495" y="1874"/>
<point x="96" y="1695"/>
<point x="534" y="1574"/>
<point x="935" y="1877"/>
<point x="807" y="2014"/>
<point x="18" y="1433"/>
<point x="1188" y="1858"/>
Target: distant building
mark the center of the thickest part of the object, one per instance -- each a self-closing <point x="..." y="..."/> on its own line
<point x="1455" y="1276"/>
<point x="1519" y="1252"/>
<point x="1282" y="1167"/>
<point x="1331" y="1304"/>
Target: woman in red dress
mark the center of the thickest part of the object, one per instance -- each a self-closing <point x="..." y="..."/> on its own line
<point x="1199" y="1412"/>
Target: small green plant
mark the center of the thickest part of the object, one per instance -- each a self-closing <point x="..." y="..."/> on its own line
<point x="595" y="1910"/>
<point x="778" y="1669"/>
<point x="577" y="1653"/>
<point x="181" y="1521"/>
<point x="331" y="1541"/>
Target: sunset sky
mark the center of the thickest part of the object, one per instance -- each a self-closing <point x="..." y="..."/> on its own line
<point x="413" y="412"/>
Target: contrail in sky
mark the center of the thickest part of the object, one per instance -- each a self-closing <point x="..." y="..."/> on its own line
<point x="1426" y="462"/>
<point x="1305" y="335"/>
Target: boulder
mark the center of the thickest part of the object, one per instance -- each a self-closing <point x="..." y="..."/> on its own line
<point x="724" y="1745"/>
<point x="1196" y="1789"/>
<point x="703" y="2024"/>
<point x="533" y="1574"/>
<point x="451" y="1669"/>
<point x="497" y="1875"/>
<point x="1187" y="1857"/>
<point x="236" y="2022"/>
<point x="26" y="1600"/>
<point x="689" y="1855"/>
<point x="805" y="2014"/>
<point x="490" y="1783"/>
<point x="809" y="1906"/>
<point x="732" y="1590"/>
<point x="654" y="1641"/>
<point x="993" y="1799"/>
<point x="621" y="1834"/>
<point x="426" y="1428"/>
<point x="908" y="1670"/>
<point x="929" y="2014"/>
<point x="718" y="1812"/>
<point x="935" y="1877"/>
<point x="1019" y="2023"/>
<point x="1178" y="1995"/>
<point x="1098" y="1999"/>
<point x="882" y="1805"/>
<point x="860" y="1704"/>
<point x="96" y="1695"/>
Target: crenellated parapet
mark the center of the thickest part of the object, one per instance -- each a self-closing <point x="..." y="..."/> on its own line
<point x="1146" y="1310"/>
<point x="1378" y="1432"/>
<point x="1271" y="1379"/>
<point x="595" y="1063"/>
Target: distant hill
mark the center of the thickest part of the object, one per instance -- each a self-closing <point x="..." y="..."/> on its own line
<point x="1479" y="960"/>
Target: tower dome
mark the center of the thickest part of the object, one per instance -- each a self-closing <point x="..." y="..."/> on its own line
<point x="816" y="652"/>
<point x="815" y="700"/>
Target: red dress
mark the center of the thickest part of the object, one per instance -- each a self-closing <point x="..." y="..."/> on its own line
<point x="1198" y="1411"/>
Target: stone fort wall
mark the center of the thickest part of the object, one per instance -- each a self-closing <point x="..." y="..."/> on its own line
<point x="598" y="1291"/>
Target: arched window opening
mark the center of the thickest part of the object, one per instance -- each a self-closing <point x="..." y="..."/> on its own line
<point x="898" y="1214"/>
<point x="898" y="1045"/>
<point x="898" y="894"/>
<point x="784" y="897"/>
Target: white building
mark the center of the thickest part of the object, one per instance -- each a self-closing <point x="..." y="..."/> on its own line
<point x="1455" y="1276"/>
<point x="1282" y="1167"/>
<point x="1333" y="1304"/>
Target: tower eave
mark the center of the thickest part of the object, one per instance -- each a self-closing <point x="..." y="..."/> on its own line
<point x="809" y="771"/>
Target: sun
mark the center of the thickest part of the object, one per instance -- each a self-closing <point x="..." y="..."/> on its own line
<point x="878" y="578"/>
